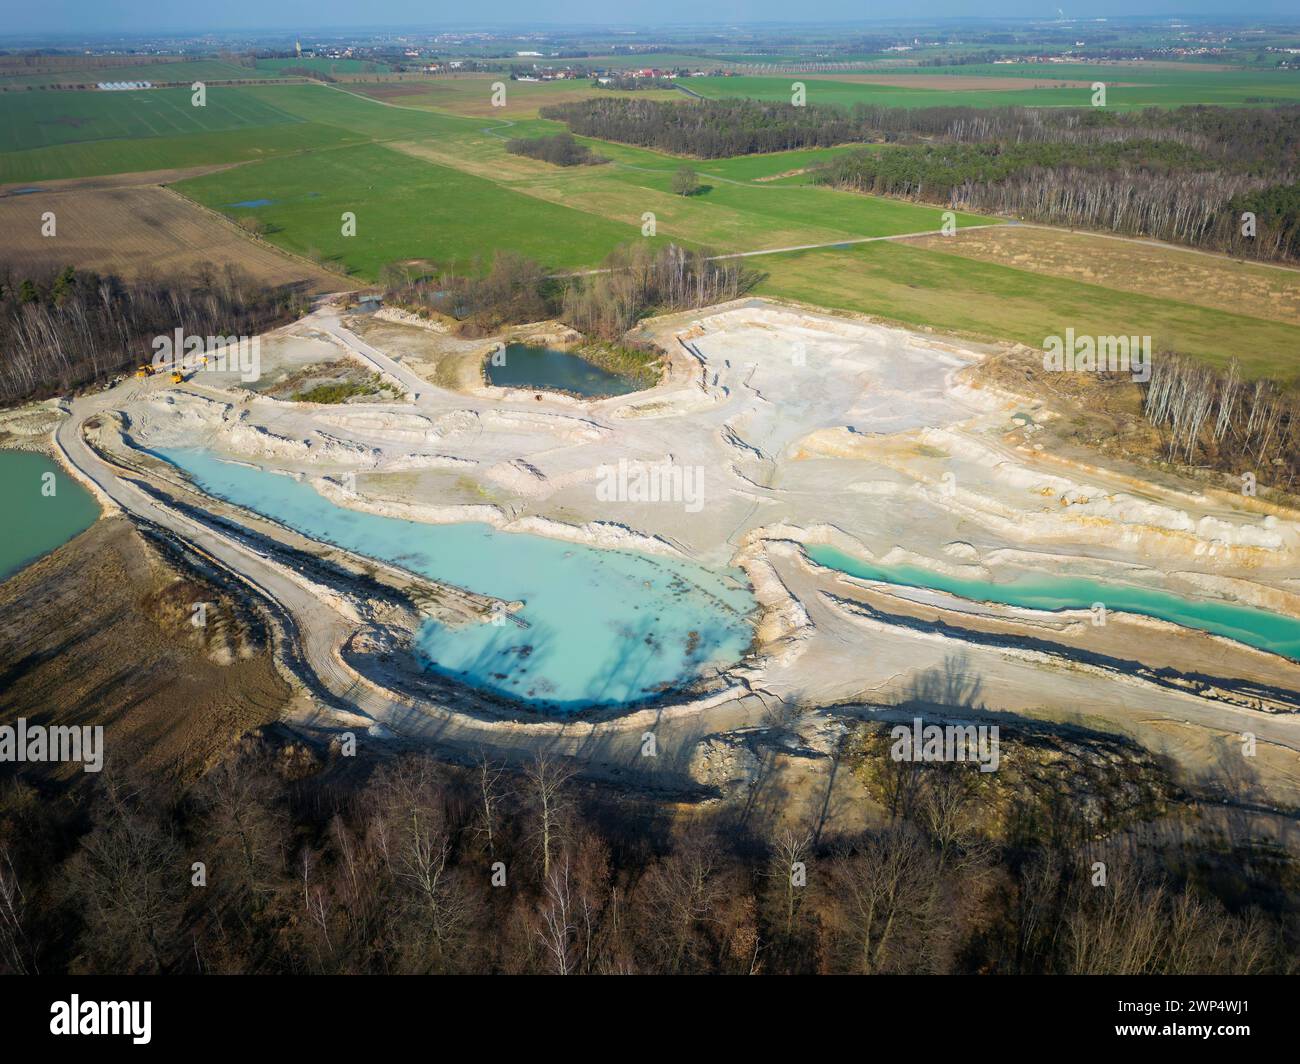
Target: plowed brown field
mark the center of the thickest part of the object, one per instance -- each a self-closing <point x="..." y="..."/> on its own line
<point x="135" y="229"/>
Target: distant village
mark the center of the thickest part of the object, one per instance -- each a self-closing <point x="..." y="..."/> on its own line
<point x="414" y="60"/>
<point x="608" y="77"/>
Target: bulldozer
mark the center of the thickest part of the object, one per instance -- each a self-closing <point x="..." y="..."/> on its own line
<point x="177" y="376"/>
<point x="144" y="371"/>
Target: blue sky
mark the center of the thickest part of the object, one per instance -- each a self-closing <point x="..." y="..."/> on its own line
<point x="146" y="16"/>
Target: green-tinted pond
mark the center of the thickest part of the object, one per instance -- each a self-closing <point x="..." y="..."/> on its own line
<point x="1246" y="624"/>
<point x="529" y="366"/>
<point x="41" y="508"/>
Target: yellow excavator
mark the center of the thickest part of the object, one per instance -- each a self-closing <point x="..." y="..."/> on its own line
<point x="145" y="370"/>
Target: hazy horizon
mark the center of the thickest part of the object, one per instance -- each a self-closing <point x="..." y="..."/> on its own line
<point x="145" y="17"/>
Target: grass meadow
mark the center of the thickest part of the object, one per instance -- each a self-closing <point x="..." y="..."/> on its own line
<point x="1127" y="88"/>
<point x="47" y="136"/>
<point x="406" y="209"/>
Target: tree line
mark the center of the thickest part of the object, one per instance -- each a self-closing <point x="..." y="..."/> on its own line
<point x="1119" y="187"/>
<point x="271" y="864"/>
<point x="1247" y="139"/>
<point x="707" y="129"/>
<point x="1191" y="175"/>
<point x="1250" y="139"/>
<point x="74" y="328"/>
<point x="634" y="282"/>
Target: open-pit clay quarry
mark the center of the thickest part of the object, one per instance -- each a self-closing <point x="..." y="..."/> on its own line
<point x="774" y="432"/>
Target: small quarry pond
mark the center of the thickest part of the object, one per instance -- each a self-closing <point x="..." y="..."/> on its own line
<point x="1246" y="624"/>
<point x="604" y="627"/>
<point x="33" y="523"/>
<point x="528" y="366"/>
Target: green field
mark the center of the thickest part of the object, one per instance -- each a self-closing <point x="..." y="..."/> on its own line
<point x="42" y="119"/>
<point x="357" y="114"/>
<point x="52" y="135"/>
<point x="1191" y="77"/>
<point x="405" y="208"/>
<point x="727" y="215"/>
<point x="1157" y="88"/>
<point x="165" y="153"/>
<point x="456" y="170"/>
<point x="917" y="286"/>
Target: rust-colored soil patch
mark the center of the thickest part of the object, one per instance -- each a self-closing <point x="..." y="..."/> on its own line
<point x="132" y="230"/>
<point x="1166" y="272"/>
<point x="144" y="177"/>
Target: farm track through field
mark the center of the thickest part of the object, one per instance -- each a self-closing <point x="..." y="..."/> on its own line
<point x="802" y="247"/>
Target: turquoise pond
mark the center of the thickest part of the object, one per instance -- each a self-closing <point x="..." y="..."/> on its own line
<point x="604" y="627"/>
<point x="1257" y="628"/>
<point x="33" y="523"/>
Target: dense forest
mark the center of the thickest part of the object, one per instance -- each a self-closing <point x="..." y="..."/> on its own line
<point x="560" y="150"/>
<point x="311" y="864"/>
<point x="76" y="328"/>
<point x="1185" y="175"/>
<point x="635" y="281"/>
<point x="707" y="129"/>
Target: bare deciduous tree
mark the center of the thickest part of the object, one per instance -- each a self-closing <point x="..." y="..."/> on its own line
<point x="489" y="778"/>
<point x="14" y="947"/>
<point x="546" y="777"/>
<point x="128" y="876"/>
